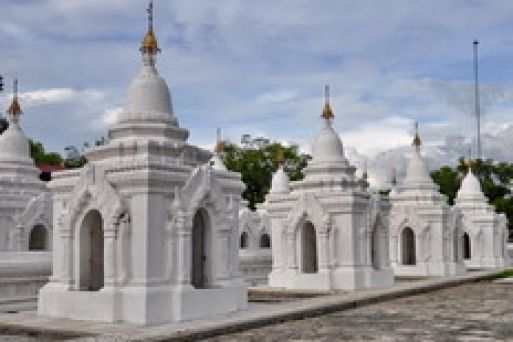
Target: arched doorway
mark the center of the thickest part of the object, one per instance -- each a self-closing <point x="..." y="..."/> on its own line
<point x="91" y="252"/>
<point x="265" y="241"/>
<point x="244" y="243"/>
<point x="375" y="248"/>
<point x="38" y="238"/>
<point x="408" y="247"/>
<point x="467" y="252"/>
<point x="308" y="248"/>
<point x="200" y="249"/>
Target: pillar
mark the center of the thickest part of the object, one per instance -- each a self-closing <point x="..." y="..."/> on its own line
<point x="109" y="255"/>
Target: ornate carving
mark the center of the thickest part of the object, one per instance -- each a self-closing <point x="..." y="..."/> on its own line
<point x="94" y="191"/>
<point x="326" y="224"/>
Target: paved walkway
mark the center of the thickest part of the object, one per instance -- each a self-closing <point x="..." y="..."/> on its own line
<point x="258" y="315"/>
<point x="472" y="312"/>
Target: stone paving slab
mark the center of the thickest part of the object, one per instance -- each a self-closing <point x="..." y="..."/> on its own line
<point x="258" y="315"/>
<point x="481" y="311"/>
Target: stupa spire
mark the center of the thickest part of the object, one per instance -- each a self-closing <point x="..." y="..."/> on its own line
<point x="327" y="112"/>
<point x="470" y="163"/>
<point x="219" y="148"/>
<point x="216" y="162"/>
<point x="149" y="46"/>
<point x="416" y="139"/>
<point x="280" y="159"/>
<point x="15" y="108"/>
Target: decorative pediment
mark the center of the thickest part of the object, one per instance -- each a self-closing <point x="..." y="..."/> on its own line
<point x="94" y="191"/>
<point x="407" y="218"/>
<point x="307" y="209"/>
<point x="203" y="189"/>
<point x="38" y="211"/>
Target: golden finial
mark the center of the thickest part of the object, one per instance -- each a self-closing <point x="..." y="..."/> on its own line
<point x="327" y="113"/>
<point x="149" y="44"/>
<point x="416" y="140"/>
<point x="219" y="144"/>
<point x="280" y="158"/>
<point x="471" y="163"/>
<point x="15" y="108"/>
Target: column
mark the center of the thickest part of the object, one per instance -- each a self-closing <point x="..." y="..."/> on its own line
<point x="184" y="228"/>
<point x="291" y="251"/>
<point x="324" y="250"/>
<point x="66" y="270"/>
<point x="109" y="255"/>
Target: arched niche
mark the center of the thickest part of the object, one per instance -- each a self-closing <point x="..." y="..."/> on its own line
<point x="408" y="247"/>
<point x="375" y="248"/>
<point x="244" y="240"/>
<point x="265" y="241"/>
<point x="91" y="253"/>
<point x="467" y="246"/>
<point x="201" y="249"/>
<point x="38" y="238"/>
<point x="309" y="262"/>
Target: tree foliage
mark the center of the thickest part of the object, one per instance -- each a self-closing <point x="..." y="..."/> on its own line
<point x="256" y="160"/>
<point x="40" y="156"/>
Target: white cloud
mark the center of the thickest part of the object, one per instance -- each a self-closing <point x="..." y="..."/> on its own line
<point x="259" y="67"/>
<point x="108" y="118"/>
<point x="277" y="96"/>
<point x="377" y="136"/>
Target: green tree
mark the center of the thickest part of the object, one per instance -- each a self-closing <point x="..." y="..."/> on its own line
<point x="448" y="179"/>
<point x="40" y="156"/>
<point x="256" y="160"/>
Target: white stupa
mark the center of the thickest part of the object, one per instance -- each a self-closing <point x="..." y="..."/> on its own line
<point x="280" y="183"/>
<point x="25" y="202"/>
<point x="254" y="245"/>
<point x="328" y="232"/>
<point x="25" y="219"/>
<point x="148" y="229"/>
<point x="425" y="230"/>
<point x="485" y="232"/>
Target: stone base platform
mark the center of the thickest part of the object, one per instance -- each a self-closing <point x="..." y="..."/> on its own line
<point x="22" y="274"/>
<point x="258" y="314"/>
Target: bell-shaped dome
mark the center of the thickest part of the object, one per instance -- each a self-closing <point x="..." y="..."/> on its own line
<point x="327" y="146"/>
<point x="417" y="171"/>
<point x="13" y="143"/>
<point x="280" y="182"/>
<point x="148" y="98"/>
<point x="470" y="188"/>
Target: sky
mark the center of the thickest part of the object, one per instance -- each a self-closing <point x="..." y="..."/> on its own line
<point x="259" y="68"/>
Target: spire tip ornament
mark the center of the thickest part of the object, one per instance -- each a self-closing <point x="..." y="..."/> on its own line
<point x="327" y="112"/>
<point x="149" y="44"/>
<point x="416" y="140"/>
<point x="15" y="108"/>
<point x="219" y="144"/>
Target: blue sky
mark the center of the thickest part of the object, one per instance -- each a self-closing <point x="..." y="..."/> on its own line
<point x="259" y="67"/>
